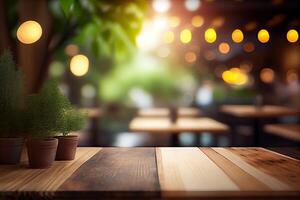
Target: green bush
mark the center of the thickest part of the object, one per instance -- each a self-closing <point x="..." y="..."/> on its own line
<point x="10" y="97"/>
<point x="73" y="120"/>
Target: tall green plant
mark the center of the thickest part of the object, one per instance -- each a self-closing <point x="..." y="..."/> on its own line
<point x="10" y="96"/>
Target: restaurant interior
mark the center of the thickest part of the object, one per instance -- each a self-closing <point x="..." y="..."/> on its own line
<point x="178" y="82"/>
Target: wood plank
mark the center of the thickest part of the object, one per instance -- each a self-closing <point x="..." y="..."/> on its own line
<point x="242" y="179"/>
<point x="189" y="171"/>
<point x="21" y="178"/>
<point x="267" y="179"/>
<point x="284" y="169"/>
<point x="116" y="170"/>
<point x="289" y="131"/>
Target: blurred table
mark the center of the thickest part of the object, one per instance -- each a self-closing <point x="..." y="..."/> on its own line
<point x="258" y="113"/>
<point x="158" y="173"/>
<point x="289" y="131"/>
<point x="183" y="124"/>
<point x="188" y="112"/>
<point x="166" y="112"/>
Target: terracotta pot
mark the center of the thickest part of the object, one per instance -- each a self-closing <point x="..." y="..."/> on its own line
<point x="10" y="150"/>
<point x="66" y="149"/>
<point x="41" y="152"/>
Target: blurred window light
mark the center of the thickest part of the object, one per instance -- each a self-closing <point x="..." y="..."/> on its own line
<point x="235" y="76"/>
<point x="292" y="36"/>
<point x="185" y="36"/>
<point x="163" y="52"/>
<point x="249" y="47"/>
<point x="210" y="35"/>
<point x="190" y="57"/>
<point x="218" y="22"/>
<point x="174" y="21"/>
<point x="192" y="5"/>
<point x="168" y="37"/>
<point x="88" y="91"/>
<point x="71" y="49"/>
<point x="237" y="36"/>
<point x="263" y="36"/>
<point x="29" y="32"/>
<point x="267" y="75"/>
<point x="161" y="6"/>
<point x="140" y="98"/>
<point x="197" y="21"/>
<point x="204" y="95"/>
<point x="79" y="65"/>
<point x="224" y="48"/>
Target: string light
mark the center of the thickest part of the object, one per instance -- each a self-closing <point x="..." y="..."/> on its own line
<point x="197" y="21"/>
<point x="263" y="36"/>
<point x="29" y="32"/>
<point x="192" y="5"/>
<point x="79" y="65"/>
<point x="235" y="76"/>
<point x="174" y="21"/>
<point x="210" y="35"/>
<point x="190" y="57"/>
<point x="292" y="36"/>
<point x="267" y="75"/>
<point x="185" y="36"/>
<point x="224" y="48"/>
<point x="237" y="36"/>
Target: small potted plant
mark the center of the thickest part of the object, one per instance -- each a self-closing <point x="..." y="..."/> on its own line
<point x="72" y="120"/>
<point x="44" y="111"/>
<point x="11" y="142"/>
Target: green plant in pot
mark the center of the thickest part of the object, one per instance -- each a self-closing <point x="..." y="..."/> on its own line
<point x="44" y="112"/>
<point x="72" y="120"/>
<point x="11" y="142"/>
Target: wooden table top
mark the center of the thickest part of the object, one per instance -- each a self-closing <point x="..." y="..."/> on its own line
<point x="253" y="112"/>
<point x="183" y="124"/>
<point x="159" y="173"/>
<point x="289" y="131"/>
<point x="165" y="112"/>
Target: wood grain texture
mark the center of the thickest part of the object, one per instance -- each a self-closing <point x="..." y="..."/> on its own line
<point x="275" y="165"/>
<point x="264" y="112"/>
<point x="190" y="171"/>
<point x="289" y="131"/>
<point x="120" y="170"/>
<point x="21" y="178"/>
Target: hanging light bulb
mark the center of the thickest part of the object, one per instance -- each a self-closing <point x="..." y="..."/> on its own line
<point x="29" y="32"/>
<point x="79" y="65"/>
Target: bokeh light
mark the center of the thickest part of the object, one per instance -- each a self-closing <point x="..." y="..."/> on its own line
<point x="161" y="6"/>
<point x="174" y="21"/>
<point x="249" y="47"/>
<point x="29" y="32"/>
<point x="168" y="37"/>
<point x="71" y="50"/>
<point x="235" y="76"/>
<point x="163" y="52"/>
<point x="292" y="36"/>
<point x="263" y="36"/>
<point x="88" y="91"/>
<point x="209" y="55"/>
<point x="190" y="57"/>
<point x="185" y="36"/>
<point x="224" y="48"/>
<point x="218" y="22"/>
<point x="237" y="36"/>
<point x="292" y="76"/>
<point x="192" y="5"/>
<point x="197" y="21"/>
<point x="79" y="65"/>
<point x="267" y="75"/>
<point x="210" y="35"/>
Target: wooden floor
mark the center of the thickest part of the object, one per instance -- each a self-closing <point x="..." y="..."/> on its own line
<point x="146" y="173"/>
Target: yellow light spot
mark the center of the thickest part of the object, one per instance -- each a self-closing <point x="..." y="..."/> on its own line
<point x="190" y="57"/>
<point x="168" y="37"/>
<point x="224" y="48"/>
<point x="197" y="21"/>
<point x="267" y="75"/>
<point x="292" y="36"/>
<point x="249" y="47"/>
<point x="79" y="65"/>
<point x="235" y="76"/>
<point x="174" y="21"/>
<point x="263" y="36"/>
<point x="29" y="32"/>
<point x="210" y="35"/>
<point x="237" y="36"/>
<point x="185" y="36"/>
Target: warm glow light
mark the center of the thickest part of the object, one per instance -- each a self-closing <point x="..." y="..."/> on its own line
<point x="249" y="47"/>
<point x="267" y="75"/>
<point x="218" y="22"/>
<point x="29" y="32"/>
<point x="190" y="57"/>
<point x="163" y="52"/>
<point x="263" y="36"/>
<point x="235" y="76"/>
<point x="174" y="21"/>
<point x="292" y="36"/>
<point x="161" y="6"/>
<point x="210" y="35"/>
<point x="209" y="55"/>
<point x="160" y="22"/>
<point x="192" y="5"/>
<point x="79" y="65"/>
<point x="224" y="48"/>
<point x="185" y="36"/>
<point x="168" y="37"/>
<point x="71" y="49"/>
<point x="292" y="76"/>
<point x="197" y="21"/>
<point x="237" y="36"/>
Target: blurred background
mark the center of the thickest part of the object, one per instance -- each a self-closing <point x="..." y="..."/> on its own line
<point x="116" y="57"/>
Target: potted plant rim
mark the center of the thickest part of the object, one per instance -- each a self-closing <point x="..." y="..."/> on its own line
<point x="72" y="120"/>
<point x="11" y="141"/>
<point x="44" y="112"/>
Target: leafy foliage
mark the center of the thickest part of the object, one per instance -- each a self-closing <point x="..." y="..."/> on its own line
<point x="49" y="112"/>
<point x="10" y="96"/>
